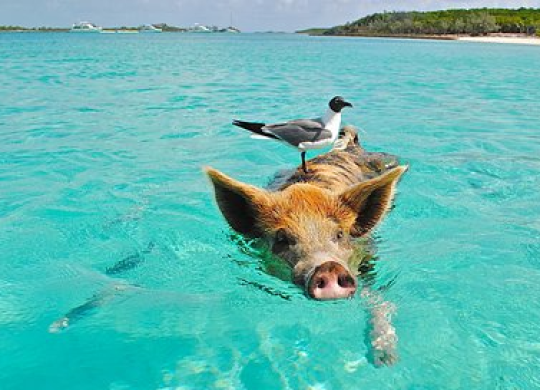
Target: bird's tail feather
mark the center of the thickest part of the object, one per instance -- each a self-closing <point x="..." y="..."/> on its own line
<point x="254" y="127"/>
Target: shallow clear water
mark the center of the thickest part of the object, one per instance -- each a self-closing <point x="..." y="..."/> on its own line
<point x="102" y="140"/>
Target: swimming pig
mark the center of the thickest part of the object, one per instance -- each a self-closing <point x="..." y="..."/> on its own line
<point x="312" y="220"/>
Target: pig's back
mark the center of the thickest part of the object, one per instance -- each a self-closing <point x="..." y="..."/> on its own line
<point x="337" y="169"/>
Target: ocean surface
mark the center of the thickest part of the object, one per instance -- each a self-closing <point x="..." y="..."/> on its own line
<point x="105" y="214"/>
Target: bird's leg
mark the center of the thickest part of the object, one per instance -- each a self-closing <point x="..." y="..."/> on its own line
<point x="304" y="167"/>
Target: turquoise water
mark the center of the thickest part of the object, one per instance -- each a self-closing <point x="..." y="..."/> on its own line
<point x="102" y="140"/>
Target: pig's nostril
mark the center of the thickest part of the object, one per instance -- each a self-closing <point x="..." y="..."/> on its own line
<point x="346" y="281"/>
<point x="321" y="283"/>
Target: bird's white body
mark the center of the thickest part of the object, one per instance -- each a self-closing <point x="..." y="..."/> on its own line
<point x="332" y="122"/>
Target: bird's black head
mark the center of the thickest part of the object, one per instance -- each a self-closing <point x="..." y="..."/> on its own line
<point x="337" y="103"/>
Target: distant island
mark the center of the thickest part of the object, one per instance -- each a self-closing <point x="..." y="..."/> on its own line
<point x="445" y="24"/>
<point x="32" y="29"/>
<point x="161" y="27"/>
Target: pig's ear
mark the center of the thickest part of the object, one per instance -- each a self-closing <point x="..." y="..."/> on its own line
<point x="371" y="200"/>
<point x="241" y="204"/>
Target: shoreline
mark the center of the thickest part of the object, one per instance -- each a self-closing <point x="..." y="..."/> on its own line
<point x="391" y="36"/>
<point x="516" y="40"/>
<point x="505" y="39"/>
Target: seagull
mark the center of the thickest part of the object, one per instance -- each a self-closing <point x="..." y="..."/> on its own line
<point x="302" y="134"/>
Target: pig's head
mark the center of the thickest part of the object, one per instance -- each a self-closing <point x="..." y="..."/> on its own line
<point x="310" y="228"/>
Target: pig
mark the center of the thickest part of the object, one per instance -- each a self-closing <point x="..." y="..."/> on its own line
<point x="319" y="223"/>
<point x="313" y="220"/>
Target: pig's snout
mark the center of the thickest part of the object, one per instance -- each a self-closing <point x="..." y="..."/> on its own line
<point x="331" y="280"/>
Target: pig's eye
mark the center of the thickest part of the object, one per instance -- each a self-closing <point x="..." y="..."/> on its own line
<point x="340" y="235"/>
<point x="282" y="240"/>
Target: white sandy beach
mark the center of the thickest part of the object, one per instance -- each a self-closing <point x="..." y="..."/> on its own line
<point x="499" y="39"/>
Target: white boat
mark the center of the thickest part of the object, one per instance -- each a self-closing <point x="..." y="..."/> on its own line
<point x="199" y="28"/>
<point x="149" y="28"/>
<point x="231" y="29"/>
<point x="85" y="27"/>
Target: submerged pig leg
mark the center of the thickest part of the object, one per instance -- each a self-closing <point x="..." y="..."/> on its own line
<point x="381" y="334"/>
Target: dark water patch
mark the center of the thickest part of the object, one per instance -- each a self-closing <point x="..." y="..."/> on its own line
<point x="181" y="134"/>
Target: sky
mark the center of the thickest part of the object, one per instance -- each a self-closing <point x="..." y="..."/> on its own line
<point x="248" y="15"/>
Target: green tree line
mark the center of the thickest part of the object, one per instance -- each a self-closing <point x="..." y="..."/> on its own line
<point x="43" y="29"/>
<point x="11" y="28"/>
<point x="457" y="21"/>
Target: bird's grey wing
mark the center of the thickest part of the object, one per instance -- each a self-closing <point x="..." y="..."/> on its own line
<point x="296" y="132"/>
<point x="308" y="123"/>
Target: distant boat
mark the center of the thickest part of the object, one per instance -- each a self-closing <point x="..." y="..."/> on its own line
<point x="149" y="28"/>
<point x="231" y="29"/>
<point x="199" y="28"/>
<point x="85" y="27"/>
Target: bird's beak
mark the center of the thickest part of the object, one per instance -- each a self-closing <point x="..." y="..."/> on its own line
<point x="347" y="104"/>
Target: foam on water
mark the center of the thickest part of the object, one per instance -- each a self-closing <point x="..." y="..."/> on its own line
<point x="102" y="140"/>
